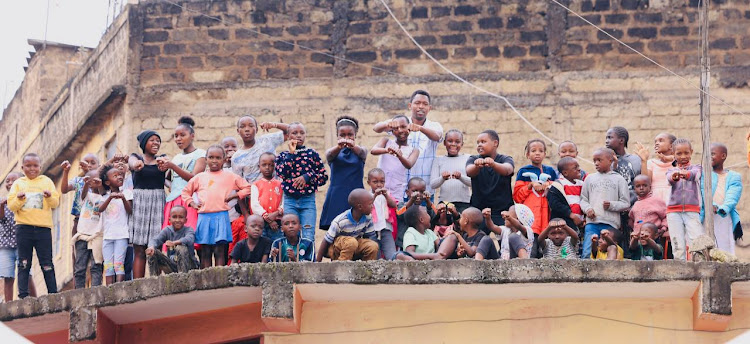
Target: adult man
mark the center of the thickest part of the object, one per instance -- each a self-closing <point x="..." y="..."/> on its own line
<point x="425" y="135"/>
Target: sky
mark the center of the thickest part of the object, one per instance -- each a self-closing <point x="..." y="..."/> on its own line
<point x="76" y="22"/>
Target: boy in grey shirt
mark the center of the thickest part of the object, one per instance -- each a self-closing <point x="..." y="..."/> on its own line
<point x="179" y="239"/>
<point x="604" y="196"/>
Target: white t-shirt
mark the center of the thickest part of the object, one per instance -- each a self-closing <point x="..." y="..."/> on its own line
<point x="89" y="221"/>
<point x="115" y="218"/>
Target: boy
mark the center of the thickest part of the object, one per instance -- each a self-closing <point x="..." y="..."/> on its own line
<point x="31" y="199"/>
<point x="565" y="194"/>
<point x="420" y="242"/>
<point x="88" y="239"/>
<point x="8" y="250"/>
<point x="516" y="235"/>
<point x="179" y="241"/>
<point x="472" y="242"/>
<point x="606" y="247"/>
<point x="568" y="149"/>
<point x="559" y="241"/>
<point x="604" y="196"/>
<point x="416" y="191"/>
<point x="89" y="163"/>
<point x="727" y="189"/>
<point x="292" y="248"/>
<point x="352" y="233"/>
<point x="383" y="213"/>
<point x="491" y="175"/>
<point x="266" y="197"/>
<point x="254" y="248"/>
<point x="642" y="245"/>
<point x="648" y="209"/>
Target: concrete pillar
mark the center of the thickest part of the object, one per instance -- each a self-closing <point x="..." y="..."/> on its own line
<point x="281" y="307"/>
<point x="712" y="304"/>
<point x="82" y="324"/>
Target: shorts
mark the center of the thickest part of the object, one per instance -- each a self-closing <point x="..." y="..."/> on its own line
<point x="8" y="258"/>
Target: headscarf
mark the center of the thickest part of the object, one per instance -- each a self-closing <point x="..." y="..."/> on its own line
<point x="526" y="218"/>
<point x="144" y="136"/>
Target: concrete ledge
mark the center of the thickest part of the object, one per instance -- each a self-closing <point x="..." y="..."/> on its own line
<point x="282" y="303"/>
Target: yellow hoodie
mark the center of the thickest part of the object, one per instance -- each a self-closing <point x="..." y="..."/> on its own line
<point x="35" y="209"/>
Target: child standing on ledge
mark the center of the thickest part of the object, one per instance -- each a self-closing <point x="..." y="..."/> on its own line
<point x="683" y="210"/>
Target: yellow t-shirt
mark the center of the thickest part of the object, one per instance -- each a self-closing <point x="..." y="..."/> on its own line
<point x="603" y="255"/>
<point x="34" y="209"/>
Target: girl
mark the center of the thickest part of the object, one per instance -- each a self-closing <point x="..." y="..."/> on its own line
<point x="449" y="173"/>
<point x="114" y="210"/>
<point x="683" y="209"/>
<point x="245" y="160"/>
<point x="396" y="157"/>
<point x="532" y="192"/>
<point x="214" y="188"/>
<point x="148" y="197"/>
<point x="657" y="167"/>
<point x="347" y="163"/>
<point x="182" y="168"/>
<point x="301" y="172"/>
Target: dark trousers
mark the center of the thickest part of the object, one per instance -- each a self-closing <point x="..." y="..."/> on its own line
<point x="84" y="259"/>
<point x="128" y="263"/>
<point x="29" y="238"/>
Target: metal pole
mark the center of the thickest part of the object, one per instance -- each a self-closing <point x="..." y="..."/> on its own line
<point x="706" y="123"/>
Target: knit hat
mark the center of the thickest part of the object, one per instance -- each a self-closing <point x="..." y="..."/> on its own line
<point x="144" y="136"/>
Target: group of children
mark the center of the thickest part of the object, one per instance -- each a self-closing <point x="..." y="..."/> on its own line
<point x="239" y="202"/>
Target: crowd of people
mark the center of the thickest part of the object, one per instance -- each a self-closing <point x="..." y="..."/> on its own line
<point x="239" y="202"/>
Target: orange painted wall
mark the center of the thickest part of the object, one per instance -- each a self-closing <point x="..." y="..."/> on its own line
<point x="207" y="327"/>
<point x="53" y="337"/>
<point x="543" y="320"/>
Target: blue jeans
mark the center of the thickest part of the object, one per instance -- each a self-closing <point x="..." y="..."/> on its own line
<point x="304" y="208"/>
<point x="272" y="234"/>
<point x="589" y="231"/>
<point x="387" y="244"/>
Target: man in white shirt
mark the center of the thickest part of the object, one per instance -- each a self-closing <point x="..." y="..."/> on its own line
<point x="425" y="135"/>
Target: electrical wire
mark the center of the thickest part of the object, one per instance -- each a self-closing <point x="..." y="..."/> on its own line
<point x="550" y="317"/>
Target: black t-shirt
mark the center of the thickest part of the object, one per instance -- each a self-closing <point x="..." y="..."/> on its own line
<point x="149" y="177"/>
<point x="242" y="253"/>
<point x="489" y="189"/>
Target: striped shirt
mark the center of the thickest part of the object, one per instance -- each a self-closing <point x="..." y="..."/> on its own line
<point x="345" y="225"/>
<point x="573" y="194"/>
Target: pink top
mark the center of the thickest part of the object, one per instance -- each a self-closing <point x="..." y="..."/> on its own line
<point x="213" y="188"/>
<point x="660" y="186"/>
<point x="650" y="209"/>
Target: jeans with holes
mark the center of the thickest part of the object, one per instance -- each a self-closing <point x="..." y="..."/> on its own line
<point x="29" y="238"/>
<point x="304" y="208"/>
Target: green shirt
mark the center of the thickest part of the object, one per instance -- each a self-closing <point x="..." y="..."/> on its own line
<point x="425" y="243"/>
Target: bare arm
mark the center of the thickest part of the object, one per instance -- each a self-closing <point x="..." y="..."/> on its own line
<point x="379" y="148"/>
<point x="322" y="249"/>
<point x="411" y="160"/>
<point x="333" y="152"/>
<point x="381" y="127"/>
<point x="200" y="166"/>
<point x="504" y="169"/>
<point x="419" y="256"/>
<point x="470" y="250"/>
<point x="431" y="134"/>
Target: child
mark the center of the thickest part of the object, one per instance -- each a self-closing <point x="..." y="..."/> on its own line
<point x="658" y="166"/>
<point x="301" y="172"/>
<point x="642" y="245"/>
<point x="292" y="248"/>
<point x="564" y="196"/>
<point x="449" y="173"/>
<point x="446" y="215"/>
<point x="472" y="242"/>
<point x="31" y="199"/>
<point x="628" y="165"/>
<point x="490" y="175"/>
<point x="245" y="160"/>
<point x="416" y="191"/>
<point x="254" y="248"/>
<point x="683" y="210"/>
<point x="559" y="241"/>
<point x="229" y="144"/>
<point x="88" y="239"/>
<point x="603" y="197"/>
<point x="420" y="242"/>
<point x="352" y="233"/>
<point x="213" y="188"/>
<point x="727" y="189"/>
<point x="516" y="235"/>
<point x="568" y="149"/>
<point x="8" y="250"/>
<point x="179" y="240"/>
<point x="532" y="192"/>
<point x="266" y="197"/>
<point x="235" y="210"/>
<point x="606" y="247"/>
<point x="90" y="162"/>
<point x="347" y="163"/>
<point x="396" y="157"/>
<point x="182" y="168"/>
<point x="115" y="210"/>
<point x="648" y="208"/>
<point x="148" y="198"/>
<point x="383" y="213"/>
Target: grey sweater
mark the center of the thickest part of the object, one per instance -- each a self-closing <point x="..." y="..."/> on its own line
<point x="598" y="188"/>
<point x="451" y="190"/>
<point x="186" y="236"/>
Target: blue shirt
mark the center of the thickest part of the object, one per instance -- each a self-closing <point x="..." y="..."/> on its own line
<point x="78" y="186"/>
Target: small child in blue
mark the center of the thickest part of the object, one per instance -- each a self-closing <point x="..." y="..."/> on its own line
<point x="301" y="172"/>
<point x="292" y="248"/>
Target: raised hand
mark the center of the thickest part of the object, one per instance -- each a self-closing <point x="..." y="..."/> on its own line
<point x="393" y="151"/>
<point x="65" y="165"/>
<point x="138" y="165"/>
<point x="267" y="126"/>
<point x="414" y="127"/>
<point x="292" y="146"/>
<point x="641" y="151"/>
